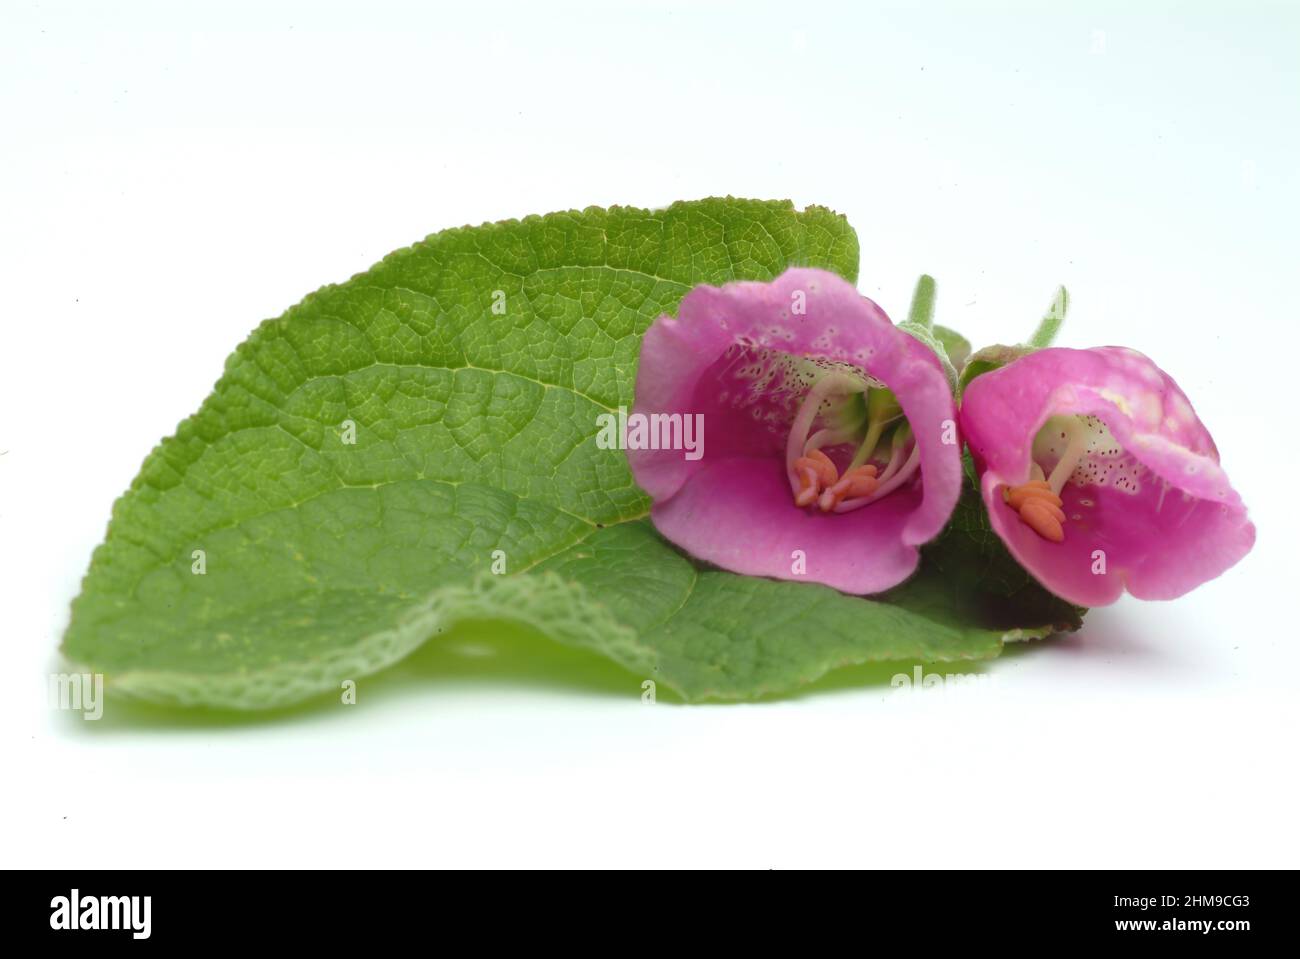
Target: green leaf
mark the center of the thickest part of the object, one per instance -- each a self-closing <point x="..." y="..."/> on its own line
<point x="969" y="576"/>
<point x="712" y="634"/>
<point x="369" y="457"/>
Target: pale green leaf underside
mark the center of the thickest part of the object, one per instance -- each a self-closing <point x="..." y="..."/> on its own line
<point x="474" y="432"/>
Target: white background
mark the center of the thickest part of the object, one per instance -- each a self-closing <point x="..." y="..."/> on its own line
<point x="172" y="174"/>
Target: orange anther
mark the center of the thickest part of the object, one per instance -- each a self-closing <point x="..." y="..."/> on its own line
<point x="1039" y="508"/>
<point x="1017" y="497"/>
<point x="823" y="468"/>
<point x="861" y="481"/>
<point x="1035" y="515"/>
<point x="826" y="470"/>
<point x="809" y="487"/>
<point x="1048" y="505"/>
<point x="816" y="472"/>
<point x="821" y="483"/>
<point x="862" y="486"/>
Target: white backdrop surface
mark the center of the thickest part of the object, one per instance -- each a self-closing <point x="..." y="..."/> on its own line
<point x="170" y="175"/>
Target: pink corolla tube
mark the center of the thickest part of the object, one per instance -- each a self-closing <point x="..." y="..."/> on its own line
<point x="831" y="450"/>
<point x="1099" y="477"/>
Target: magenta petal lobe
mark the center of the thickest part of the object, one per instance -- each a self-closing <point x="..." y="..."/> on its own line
<point x="832" y="451"/>
<point x="1112" y="442"/>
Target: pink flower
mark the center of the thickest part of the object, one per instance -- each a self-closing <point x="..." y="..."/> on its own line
<point x="831" y="452"/>
<point x="1099" y="477"/>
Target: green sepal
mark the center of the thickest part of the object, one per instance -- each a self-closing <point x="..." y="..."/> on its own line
<point x="990" y="358"/>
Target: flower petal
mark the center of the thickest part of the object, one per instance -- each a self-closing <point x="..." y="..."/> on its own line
<point x="751" y="527"/>
<point x="738" y="355"/>
<point x="1157" y="510"/>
